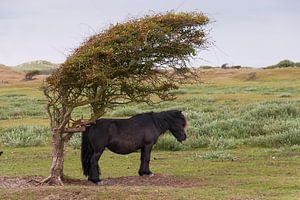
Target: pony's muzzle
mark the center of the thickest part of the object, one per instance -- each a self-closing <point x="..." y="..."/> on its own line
<point x="182" y="138"/>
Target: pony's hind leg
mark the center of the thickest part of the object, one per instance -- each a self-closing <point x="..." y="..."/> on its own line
<point x="95" y="170"/>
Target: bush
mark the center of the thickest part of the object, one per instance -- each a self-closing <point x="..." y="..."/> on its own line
<point x="194" y="142"/>
<point x="287" y="138"/>
<point x="75" y="141"/>
<point x="23" y="136"/>
<point x="29" y="75"/>
<point x="221" y="143"/>
<point x="168" y="142"/>
<point x="283" y="64"/>
<point x="274" y="110"/>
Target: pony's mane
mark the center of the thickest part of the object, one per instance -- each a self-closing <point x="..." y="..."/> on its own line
<point x="176" y="114"/>
<point x="169" y="115"/>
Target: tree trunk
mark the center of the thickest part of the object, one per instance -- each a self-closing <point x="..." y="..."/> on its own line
<point x="58" y="148"/>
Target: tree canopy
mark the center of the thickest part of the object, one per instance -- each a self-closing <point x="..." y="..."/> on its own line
<point x="131" y="61"/>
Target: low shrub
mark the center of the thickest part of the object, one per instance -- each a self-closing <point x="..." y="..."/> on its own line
<point x="274" y="110"/>
<point x="23" y="136"/>
<point x="168" y="142"/>
<point x="75" y="141"/>
<point x="287" y="138"/>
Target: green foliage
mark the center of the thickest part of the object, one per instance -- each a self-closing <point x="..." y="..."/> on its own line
<point x="222" y="143"/>
<point x="168" y="142"/>
<point x="23" y="136"/>
<point x="283" y="64"/>
<point x="75" y="141"/>
<point x="129" y="62"/>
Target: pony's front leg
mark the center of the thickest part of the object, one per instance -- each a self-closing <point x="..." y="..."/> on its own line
<point x="145" y="160"/>
<point x="95" y="170"/>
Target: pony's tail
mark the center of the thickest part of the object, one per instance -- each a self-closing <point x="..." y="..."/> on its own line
<point x="86" y="152"/>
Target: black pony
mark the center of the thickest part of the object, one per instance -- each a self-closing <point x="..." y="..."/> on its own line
<point x="124" y="136"/>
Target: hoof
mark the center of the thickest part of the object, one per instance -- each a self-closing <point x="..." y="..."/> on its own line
<point x="99" y="183"/>
<point x="96" y="182"/>
<point x="150" y="174"/>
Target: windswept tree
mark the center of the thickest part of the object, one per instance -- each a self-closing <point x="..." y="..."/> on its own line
<point x="140" y="60"/>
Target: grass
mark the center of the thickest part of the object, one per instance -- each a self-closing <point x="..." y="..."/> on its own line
<point x="22" y="136"/>
<point x="256" y="173"/>
<point x="225" y="111"/>
<point x="243" y="140"/>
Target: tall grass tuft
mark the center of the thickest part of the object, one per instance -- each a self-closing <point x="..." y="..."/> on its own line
<point x="168" y="142"/>
<point x="75" y="141"/>
<point x="286" y="138"/>
<point x="20" y="106"/>
<point x="24" y="136"/>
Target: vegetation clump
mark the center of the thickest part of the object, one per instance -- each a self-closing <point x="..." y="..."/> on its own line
<point x="283" y="64"/>
<point x="29" y="75"/>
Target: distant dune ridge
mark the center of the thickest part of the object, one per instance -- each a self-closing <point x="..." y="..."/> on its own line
<point x="45" y="67"/>
<point x="8" y="74"/>
<point x="17" y="73"/>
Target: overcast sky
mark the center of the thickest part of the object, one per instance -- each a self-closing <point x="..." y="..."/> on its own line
<point x="245" y="32"/>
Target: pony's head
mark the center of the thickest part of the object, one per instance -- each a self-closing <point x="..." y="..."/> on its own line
<point x="177" y="124"/>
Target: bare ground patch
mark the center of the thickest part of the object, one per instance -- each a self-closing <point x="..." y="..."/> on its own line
<point x="155" y="180"/>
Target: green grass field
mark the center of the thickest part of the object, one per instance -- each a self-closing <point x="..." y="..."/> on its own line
<point x="243" y="141"/>
<point x="244" y="173"/>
